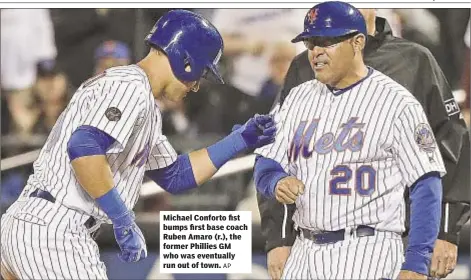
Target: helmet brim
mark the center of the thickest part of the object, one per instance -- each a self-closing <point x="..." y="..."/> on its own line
<point x="334" y="32"/>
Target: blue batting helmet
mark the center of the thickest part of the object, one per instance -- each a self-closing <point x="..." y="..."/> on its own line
<point x="188" y="39"/>
<point x="332" y="19"/>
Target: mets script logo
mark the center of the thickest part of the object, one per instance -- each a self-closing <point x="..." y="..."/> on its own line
<point x="311" y="17"/>
<point x="350" y="138"/>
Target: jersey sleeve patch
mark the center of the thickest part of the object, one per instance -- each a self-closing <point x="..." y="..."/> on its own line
<point x="113" y="114"/>
<point x="424" y="138"/>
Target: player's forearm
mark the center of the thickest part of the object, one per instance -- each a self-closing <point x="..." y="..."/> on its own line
<point x="87" y="148"/>
<point x="94" y="174"/>
<point x="202" y="166"/>
<point x="267" y="173"/>
<point x="426" y="198"/>
<point x="205" y="162"/>
<point x="193" y="169"/>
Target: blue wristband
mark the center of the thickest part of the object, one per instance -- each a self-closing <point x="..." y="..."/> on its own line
<point x="114" y="207"/>
<point x="225" y="149"/>
<point x="267" y="173"/>
<point x="414" y="261"/>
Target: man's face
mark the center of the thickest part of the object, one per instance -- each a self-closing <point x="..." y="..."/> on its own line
<point x="177" y="90"/>
<point x="52" y="89"/>
<point x="331" y="58"/>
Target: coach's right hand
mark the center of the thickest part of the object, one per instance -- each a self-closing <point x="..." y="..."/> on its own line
<point x="288" y="189"/>
<point x="129" y="238"/>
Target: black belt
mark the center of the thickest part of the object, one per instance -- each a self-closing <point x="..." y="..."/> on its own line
<point x="326" y="237"/>
<point x="89" y="223"/>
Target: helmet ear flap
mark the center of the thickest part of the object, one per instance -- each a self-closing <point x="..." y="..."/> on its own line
<point x="190" y="67"/>
<point x="187" y="64"/>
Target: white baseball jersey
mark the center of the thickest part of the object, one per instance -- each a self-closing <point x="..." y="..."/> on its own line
<point x="121" y="104"/>
<point x="44" y="240"/>
<point x="355" y="150"/>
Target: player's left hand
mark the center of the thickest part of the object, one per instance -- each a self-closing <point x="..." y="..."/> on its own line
<point x="257" y="132"/>
<point x="411" y="275"/>
<point x="130" y="239"/>
<point x="443" y="259"/>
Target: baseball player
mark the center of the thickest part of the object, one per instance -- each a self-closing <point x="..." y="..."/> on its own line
<point x="92" y="166"/>
<point x="347" y="144"/>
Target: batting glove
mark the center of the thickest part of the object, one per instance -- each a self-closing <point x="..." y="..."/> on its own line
<point x="129" y="238"/>
<point x="257" y="132"/>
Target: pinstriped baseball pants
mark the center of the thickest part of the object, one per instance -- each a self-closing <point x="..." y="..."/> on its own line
<point x="44" y="240"/>
<point x="370" y="257"/>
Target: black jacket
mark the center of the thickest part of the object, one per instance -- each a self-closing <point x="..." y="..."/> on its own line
<point x="414" y="67"/>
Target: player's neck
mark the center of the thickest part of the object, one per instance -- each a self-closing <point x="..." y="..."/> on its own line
<point x="157" y="71"/>
<point x="356" y="73"/>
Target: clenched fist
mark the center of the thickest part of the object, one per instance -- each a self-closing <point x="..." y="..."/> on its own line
<point x="443" y="258"/>
<point x="288" y="189"/>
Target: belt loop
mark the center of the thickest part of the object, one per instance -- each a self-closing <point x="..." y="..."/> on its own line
<point x="347" y="233"/>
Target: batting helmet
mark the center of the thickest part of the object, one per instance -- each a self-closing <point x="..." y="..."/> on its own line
<point x="332" y="19"/>
<point x="188" y="39"/>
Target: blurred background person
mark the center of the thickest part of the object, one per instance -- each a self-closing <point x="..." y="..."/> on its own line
<point x="451" y="46"/>
<point x="111" y="54"/>
<point x="27" y="38"/>
<point x="278" y="63"/>
<point x="79" y="32"/>
<point x="442" y="32"/>
<point x="52" y="92"/>
<point x="252" y="39"/>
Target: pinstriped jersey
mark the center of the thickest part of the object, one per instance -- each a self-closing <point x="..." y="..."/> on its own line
<point x="355" y="150"/>
<point x="120" y="103"/>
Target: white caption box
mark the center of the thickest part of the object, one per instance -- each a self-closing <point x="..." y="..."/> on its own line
<point x="205" y="242"/>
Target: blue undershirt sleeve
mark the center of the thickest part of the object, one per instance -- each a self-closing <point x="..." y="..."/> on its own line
<point x="88" y="141"/>
<point x="426" y="201"/>
<point x="267" y="173"/>
<point x="175" y="178"/>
